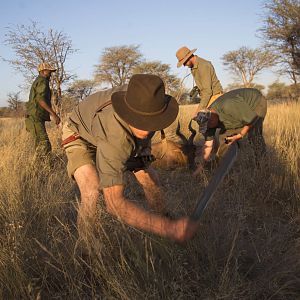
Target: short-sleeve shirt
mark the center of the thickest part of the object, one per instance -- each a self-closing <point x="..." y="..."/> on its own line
<point x="112" y="137"/>
<point x="40" y="90"/>
<point x="206" y="80"/>
<point x="235" y="109"/>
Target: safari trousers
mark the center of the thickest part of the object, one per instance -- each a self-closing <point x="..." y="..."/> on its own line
<point x="38" y="131"/>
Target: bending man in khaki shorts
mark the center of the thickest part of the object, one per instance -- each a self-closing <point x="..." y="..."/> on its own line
<point x="110" y="133"/>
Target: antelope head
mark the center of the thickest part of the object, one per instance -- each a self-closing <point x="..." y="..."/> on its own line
<point x="170" y="154"/>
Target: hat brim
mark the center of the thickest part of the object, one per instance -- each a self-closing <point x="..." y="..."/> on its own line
<point x="144" y="122"/>
<point x="51" y="70"/>
<point x="185" y="59"/>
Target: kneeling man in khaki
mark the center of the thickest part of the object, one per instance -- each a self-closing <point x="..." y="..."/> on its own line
<point x="110" y="133"/>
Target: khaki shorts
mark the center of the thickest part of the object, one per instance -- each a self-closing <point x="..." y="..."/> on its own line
<point x="79" y="152"/>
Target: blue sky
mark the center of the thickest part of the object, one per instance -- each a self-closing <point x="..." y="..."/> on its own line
<point x="159" y="27"/>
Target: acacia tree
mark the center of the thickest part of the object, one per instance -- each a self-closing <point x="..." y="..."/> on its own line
<point x="15" y="104"/>
<point x="33" y="46"/>
<point x="117" y="64"/>
<point x="278" y="91"/>
<point x="245" y="63"/>
<point x="281" y="34"/>
<point x="234" y="86"/>
<point x="81" y="89"/>
<point x="172" y="83"/>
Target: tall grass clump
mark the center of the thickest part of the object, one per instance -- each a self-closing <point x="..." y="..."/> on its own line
<point x="248" y="245"/>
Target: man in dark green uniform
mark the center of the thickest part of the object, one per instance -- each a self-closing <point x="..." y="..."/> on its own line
<point x="239" y="114"/>
<point x="39" y="109"/>
<point x="110" y="133"/>
<point x="204" y="74"/>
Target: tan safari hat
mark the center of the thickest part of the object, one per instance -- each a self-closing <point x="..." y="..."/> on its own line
<point x="183" y="54"/>
<point x="145" y="105"/>
<point x="45" y="66"/>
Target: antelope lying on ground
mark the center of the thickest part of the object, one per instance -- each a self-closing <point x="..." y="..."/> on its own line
<point x="170" y="154"/>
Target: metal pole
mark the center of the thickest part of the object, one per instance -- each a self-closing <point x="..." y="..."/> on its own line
<point x="223" y="168"/>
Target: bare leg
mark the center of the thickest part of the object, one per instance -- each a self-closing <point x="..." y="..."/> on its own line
<point x="88" y="183"/>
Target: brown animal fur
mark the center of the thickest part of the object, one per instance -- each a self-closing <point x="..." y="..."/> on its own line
<point x="170" y="154"/>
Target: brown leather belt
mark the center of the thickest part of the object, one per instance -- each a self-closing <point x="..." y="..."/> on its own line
<point x="70" y="139"/>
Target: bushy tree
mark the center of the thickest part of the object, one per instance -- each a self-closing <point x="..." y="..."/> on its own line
<point x="32" y="46"/>
<point x="81" y="89"/>
<point x="245" y="63"/>
<point x="281" y="34"/>
<point x="117" y="64"/>
<point x="234" y="86"/>
<point x="277" y="91"/>
<point x="281" y="92"/>
<point x="172" y="83"/>
<point x="15" y="105"/>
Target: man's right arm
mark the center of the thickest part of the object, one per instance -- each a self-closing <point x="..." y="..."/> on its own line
<point x="179" y="230"/>
<point x="204" y="156"/>
<point x="204" y="83"/>
<point x="46" y="107"/>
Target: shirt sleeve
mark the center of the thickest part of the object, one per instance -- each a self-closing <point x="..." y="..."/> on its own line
<point x="203" y="81"/>
<point x="41" y="90"/>
<point x="111" y="163"/>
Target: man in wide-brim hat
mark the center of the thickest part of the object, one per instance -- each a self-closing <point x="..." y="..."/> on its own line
<point x="207" y="83"/>
<point x="110" y="133"/>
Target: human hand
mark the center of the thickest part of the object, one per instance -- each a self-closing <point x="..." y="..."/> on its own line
<point x="231" y="139"/>
<point x="183" y="229"/>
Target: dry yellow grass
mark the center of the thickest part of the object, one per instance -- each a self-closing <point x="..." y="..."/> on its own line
<point x="248" y="246"/>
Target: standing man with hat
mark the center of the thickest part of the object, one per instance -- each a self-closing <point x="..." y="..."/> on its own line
<point x="204" y="74"/>
<point x="110" y="133"/>
<point x="39" y="109"/>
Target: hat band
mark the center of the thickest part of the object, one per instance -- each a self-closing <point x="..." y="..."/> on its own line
<point x="143" y="113"/>
<point x="185" y="57"/>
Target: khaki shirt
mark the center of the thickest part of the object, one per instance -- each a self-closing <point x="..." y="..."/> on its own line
<point x="206" y="80"/>
<point x="112" y="137"/>
<point x="238" y="108"/>
<point x="40" y="90"/>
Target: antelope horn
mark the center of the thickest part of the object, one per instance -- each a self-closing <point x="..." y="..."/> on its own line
<point x="162" y="134"/>
<point x="192" y="136"/>
<point x="183" y="138"/>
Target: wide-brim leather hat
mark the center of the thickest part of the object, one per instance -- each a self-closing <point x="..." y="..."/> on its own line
<point x="145" y="105"/>
<point x="46" y="66"/>
<point x="183" y="54"/>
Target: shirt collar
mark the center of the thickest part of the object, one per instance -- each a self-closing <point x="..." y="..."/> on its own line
<point x="197" y="63"/>
<point x="126" y="127"/>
